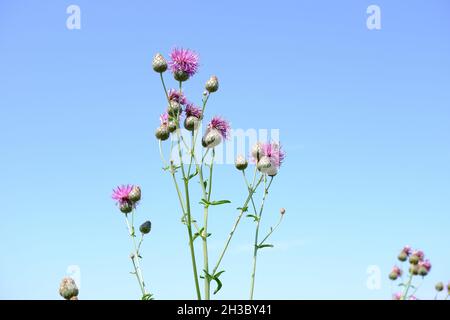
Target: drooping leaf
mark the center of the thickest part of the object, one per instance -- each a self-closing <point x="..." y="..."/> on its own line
<point x="219" y="202"/>
<point x="261" y="246"/>
<point x="255" y="217"/>
<point x="244" y="209"/>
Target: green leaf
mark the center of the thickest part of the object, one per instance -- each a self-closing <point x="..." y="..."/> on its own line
<point x="219" y="202"/>
<point x="265" y="246"/>
<point x="244" y="209"/>
<point x="217" y="280"/>
<point x="193" y="175"/>
<point x="197" y="234"/>
<point x="255" y="217"/>
<point x="205" y="203"/>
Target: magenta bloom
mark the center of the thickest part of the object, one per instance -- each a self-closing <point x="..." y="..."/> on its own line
<point x="397" y="271"/>
<point x="175" y="95"/>
<point x="164" y="119"/>
<point x="407" y="250"/>
<point x="183" y="60"/>
<point x="193" y="111"/>
<point x="220" y="125"/>
<point x="274" y="152"/>
<point x="121" y="193"/>
<point x="419" y="254"/>
<point x="426" y="264"/>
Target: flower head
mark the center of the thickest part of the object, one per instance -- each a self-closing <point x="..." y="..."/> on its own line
<point x="175" y="95"/>
<point x="274" y="152"/>
<point x="68" y="288"/>
<point x="183" y="62"/>
<point x="397" y="296"/>
<point x="192" y="111"/>
<point x="121" y="193"/>
<point x="221" y="125"/>
<point x="164" y="119"/>
<point x="159" y="64"/>
<point x="407" y="250"/>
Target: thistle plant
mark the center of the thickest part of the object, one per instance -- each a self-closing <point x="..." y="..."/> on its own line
<point x="185" y="164"/>
<point x="127" y="198"/>
<point x="418" y="269"/>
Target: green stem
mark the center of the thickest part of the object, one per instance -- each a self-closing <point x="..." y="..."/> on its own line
<point x="135" y="255"/>
<point x="238" y="219"/>
<point x="258" y="223"/>
<point x="408" y="285"/>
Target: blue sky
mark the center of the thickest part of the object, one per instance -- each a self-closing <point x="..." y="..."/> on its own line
<point x="363" y="115"/>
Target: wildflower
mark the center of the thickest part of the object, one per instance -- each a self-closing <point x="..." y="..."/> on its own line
<point x="241" y="163"/>
<point x="424" y="267"/>
<point x="122" y="193"/>
<point x="183" y="63"/>
<point x="416" y="256"/>
<point x="439" y="286"/>
<point x="270" y="158"/>
<point x="193" y="117"/>
<point x="159" y="64"/>
<point x="212" y="85"/>
<point x="395" y="273"/>
<point x="404" y="254"/>
<point x="176" y="95"/>
<point x="217" y="130"/>
<point x="68" y="289"/>
<point x="145" y="227"/>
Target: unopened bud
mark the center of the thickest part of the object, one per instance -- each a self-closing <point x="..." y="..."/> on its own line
<point x="282" y="211"/>
<point x="135" y="194"/>
<point x="145" y="227"/>
<point x="393" y="276"/>
<point x="174" y="109"/>
<point x="439" y="286"/>
<point x="162" y="133"/>
<point x="414" y="259"/>
<point x="241" y="163"/>
<point x="257" y="151"/>
<point x="264" y="164"/>
<point x="159" y="64"/>
<point x="126" y="206"/>
<point x="172" y="126"/>
<point x="212" y="138"/>
<point x="402" y="256"/>
<point x="68" y="288"/>
<point x="191" y="123"/>
<point x="212" y="85"/>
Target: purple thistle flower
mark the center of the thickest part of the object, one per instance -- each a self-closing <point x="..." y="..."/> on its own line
<point x="419" y="254"/>
<point x="274" y="152"/>
<point x="426" y="264"/>
<point x="193" y="111"/>
<point x="183" y="60"/>
<point x="175" y="95"/>
<point x="164" y="119"/>
<point x="121" y="193"/>
<point x="397" y="271"/>
<point x="220" y="125"/>
<point x="407" y="250"/>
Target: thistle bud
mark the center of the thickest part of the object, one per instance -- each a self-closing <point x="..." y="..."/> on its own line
<point x="264" y="164"/>
<point x="414" y="269"/>
<point x="162" y="133"/>
<point x="145" y="227"/>
<point x="212" y="85"/>
<point x="135" y="194"/>
<point x="393" y="276"/>
<point x="272" y="171"/>
<point x="241" y="163"/>
<point x="172" y="126"/>
<point x="282" y="211"/>
<point x="159" y="64"/>
<point x="439" y="286"/>
<point x="257" y="151"/>
<point x="180" y="75"/>
<point x="191" y="123"/>
<point x="68" y="288"/>
<point x="126" y="206"/>
<point x="174" y="109"/>
<point x="212" y="138"/>
<point x="414" y="259"/>
<point x="403" y="256"/>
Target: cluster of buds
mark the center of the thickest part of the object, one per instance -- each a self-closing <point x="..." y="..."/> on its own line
<point x="127" y="197"/>
<point x="68" y="289"/>
<point x="418" y="265"/>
